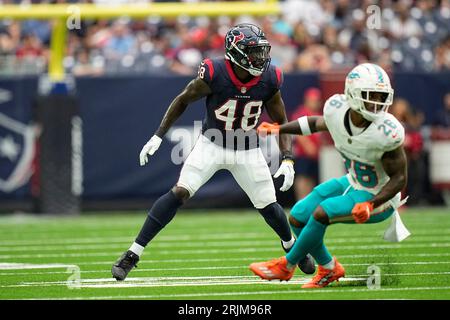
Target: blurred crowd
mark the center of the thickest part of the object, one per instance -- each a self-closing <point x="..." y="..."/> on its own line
<point x="308" y="35"/>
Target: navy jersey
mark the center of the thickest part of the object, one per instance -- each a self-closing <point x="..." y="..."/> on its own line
<point x="233" y="108"/>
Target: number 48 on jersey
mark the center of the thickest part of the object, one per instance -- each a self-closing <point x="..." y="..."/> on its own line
<point x="250" y="114"/>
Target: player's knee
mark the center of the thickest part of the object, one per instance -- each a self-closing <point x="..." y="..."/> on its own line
<point x="180" y="193"/>
<point x="304" y="208"/>
<point x="321" y="216"/>
<point x="295" y="223"/>
<point x="271" y="211"/>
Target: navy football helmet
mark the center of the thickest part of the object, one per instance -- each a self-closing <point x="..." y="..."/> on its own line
<point x="247" y="46"/>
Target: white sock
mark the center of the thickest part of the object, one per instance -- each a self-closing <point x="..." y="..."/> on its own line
<point x="137" y="248"/>
<point x="288" y="244"/>
<point x="290" y="266"/>
<point x="330" y="265"/>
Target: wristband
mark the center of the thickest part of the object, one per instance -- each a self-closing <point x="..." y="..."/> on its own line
<point x="304" y="126"/>
<point x="287" y="157"/>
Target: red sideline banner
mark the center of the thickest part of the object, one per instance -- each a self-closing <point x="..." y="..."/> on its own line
<point x="440" y="158"/>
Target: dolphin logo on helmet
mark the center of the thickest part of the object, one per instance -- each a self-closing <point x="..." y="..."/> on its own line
<point x="363" y="80"/>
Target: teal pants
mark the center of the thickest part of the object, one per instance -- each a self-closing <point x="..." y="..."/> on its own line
<point x="337" y="198"/>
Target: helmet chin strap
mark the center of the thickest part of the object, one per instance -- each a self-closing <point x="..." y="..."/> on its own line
<point x="254" y="72"/>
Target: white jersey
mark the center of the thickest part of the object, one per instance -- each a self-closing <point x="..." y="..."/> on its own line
<point x="362" y="152"/>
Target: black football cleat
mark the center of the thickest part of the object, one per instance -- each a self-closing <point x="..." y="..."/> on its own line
<point x="123" y="266"/>
<point x="307" y="265"/>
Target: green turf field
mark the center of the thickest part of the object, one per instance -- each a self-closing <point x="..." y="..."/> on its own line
<point x="205" y="255"/>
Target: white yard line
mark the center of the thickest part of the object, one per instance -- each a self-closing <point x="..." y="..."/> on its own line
<point x="251" y="259"/>
<point x="192" y="281"/>
<point x="230" y="250"/>
<point x="62" y="255"/>
<point x="246" y="293"/>
<point x="187" y="237"/>
<point x="244" y="267"/>
<point x="25" y="266"/>
<point x="186" y="245"/>
<point x="353" y="237"/>
<point x="191" y="244"/>
<point x="169" y="282"/>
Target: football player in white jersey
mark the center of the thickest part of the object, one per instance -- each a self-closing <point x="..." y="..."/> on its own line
<point x="370" y="141"/>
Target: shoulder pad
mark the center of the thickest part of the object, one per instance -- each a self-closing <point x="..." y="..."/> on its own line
<point x="333" y="103"/>
<point x="274" y="76"/>
<point x="391" y="132"/>
<point x="279" y="77"/>
<point x="206" y="70"/>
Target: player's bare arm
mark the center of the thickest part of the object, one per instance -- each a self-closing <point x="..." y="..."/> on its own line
<point x="195" y="90"/>
<point x="313" y="124"/>
<point x="395" y="165"/>
<point x="276" y="110"/>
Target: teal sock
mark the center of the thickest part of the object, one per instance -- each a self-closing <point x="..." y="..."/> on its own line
<point x="310" y="237"/>
<point x="321" y="254"/>
<point x="296" y="230"/>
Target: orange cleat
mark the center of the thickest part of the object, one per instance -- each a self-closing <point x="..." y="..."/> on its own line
<point x="325" y="276"/>
<point x="273" y="269"/>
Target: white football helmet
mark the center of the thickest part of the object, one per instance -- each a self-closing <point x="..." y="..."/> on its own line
<point x="362" y="80"/>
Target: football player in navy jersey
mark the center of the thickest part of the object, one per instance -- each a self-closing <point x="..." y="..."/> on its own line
<point x="236" y="89"/>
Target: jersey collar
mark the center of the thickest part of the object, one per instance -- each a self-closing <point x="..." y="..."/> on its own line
<point x="242" y="87"/>
<point x="347" y="124"/>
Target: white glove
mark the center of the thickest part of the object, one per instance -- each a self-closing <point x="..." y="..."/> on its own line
<point x="286" y="169"/>
<point x="149" y="148"/>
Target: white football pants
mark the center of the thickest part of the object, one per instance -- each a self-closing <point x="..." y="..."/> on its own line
<point x="248" y="167"/>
